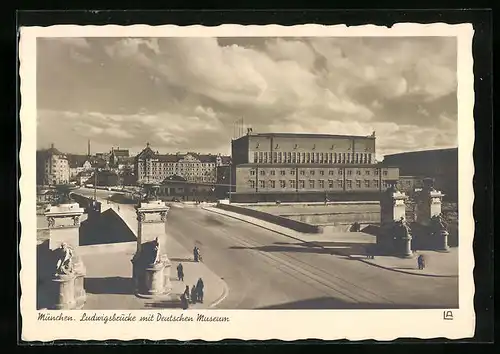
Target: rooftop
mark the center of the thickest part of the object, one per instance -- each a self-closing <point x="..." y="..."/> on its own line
<point x="307" y="135"/>
<point x="425" y="152"/>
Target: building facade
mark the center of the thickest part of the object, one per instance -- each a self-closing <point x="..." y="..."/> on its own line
<point x="312" y="167"/>
<point x="52" y="167"/>
<point x="195" y="168"/>
<point x="441" y="165"/>
<point x="118" y="155"/>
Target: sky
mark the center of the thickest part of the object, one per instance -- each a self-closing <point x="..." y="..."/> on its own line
<point x="185" y="94"/>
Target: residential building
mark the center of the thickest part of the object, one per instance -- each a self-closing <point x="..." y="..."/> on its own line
<point x="307" y="167"/>
<point x="195" y="168"/>
<point x="118" y="155"/>
<point x="52" y="167"/>
<point x="78" y="164"/>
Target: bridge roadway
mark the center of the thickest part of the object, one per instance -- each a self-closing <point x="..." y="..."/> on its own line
<point x="264" y="269"/>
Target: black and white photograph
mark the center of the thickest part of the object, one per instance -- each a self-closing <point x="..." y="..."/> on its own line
<point x="190" y="175"/>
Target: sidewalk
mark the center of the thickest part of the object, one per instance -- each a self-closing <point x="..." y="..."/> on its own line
<point x="109" y="274"/>
<point x="353" y="245"/>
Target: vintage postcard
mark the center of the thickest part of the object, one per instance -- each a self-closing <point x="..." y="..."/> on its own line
<point x="249" y="182"/>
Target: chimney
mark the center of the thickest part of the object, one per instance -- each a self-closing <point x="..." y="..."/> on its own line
<point x="88" y="148"/>
<point x="52" y="145"/>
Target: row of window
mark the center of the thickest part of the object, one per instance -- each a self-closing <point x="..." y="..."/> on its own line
<point x="321" y="184"/>
<point x="311" y="157"/>
<point x="188" y="164"/>
<point x="321" y="172"/>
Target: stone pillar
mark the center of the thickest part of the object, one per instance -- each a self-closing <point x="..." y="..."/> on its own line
<point x="392" y="206"/>
<point x="64" y="227"/>
<point x="151" y="278"/>
<point x="393" y="218"/>
<point x="428" y="204"/>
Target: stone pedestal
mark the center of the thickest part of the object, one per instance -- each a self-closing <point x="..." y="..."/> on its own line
<point x="64" y="292"/>
<point x="151" y="278"/>
<point x="406" y="247"/>
<point x="443" y="241"/>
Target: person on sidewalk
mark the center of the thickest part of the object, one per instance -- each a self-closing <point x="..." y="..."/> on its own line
<point x="184" y="302"/>
<point x="118" y="207"/>
<point x="193" y="295"/>
<point x="186" y="292"/>
<point x="180" y="272"/>
<point x="199" y="290"/>
<point x="196" y="253"/>
<point x="421" y="262"/>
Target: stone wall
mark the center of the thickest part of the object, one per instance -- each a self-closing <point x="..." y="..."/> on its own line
<point x="332" y="214"/>
<point x="278" y="220"/>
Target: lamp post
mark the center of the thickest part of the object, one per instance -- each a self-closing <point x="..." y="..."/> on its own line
<point x="230" y="179"/>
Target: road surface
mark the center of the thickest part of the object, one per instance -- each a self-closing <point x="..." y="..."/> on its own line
<point x="264" y="269"/>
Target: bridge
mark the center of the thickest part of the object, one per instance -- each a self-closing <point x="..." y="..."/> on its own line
<point x="247" y="264"/>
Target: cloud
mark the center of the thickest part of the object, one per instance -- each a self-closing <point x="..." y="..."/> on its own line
<point x="186" y="93"/>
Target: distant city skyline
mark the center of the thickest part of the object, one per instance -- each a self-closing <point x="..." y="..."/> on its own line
<point x="184" y="94"/>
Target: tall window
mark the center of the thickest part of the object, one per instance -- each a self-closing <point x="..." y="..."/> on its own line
<point x="311" y="184"/>
<point x="312" y="157"/>
<point x="308" y="157"/>
<point x="279" y="157"/>
<point x="294" y="157"/>
<point x="375" y="172"/>
<point x="348" y="158"/>
<point x="292" y="172"/>
<point x="335" y="157"/>
<point x="282" y="172"/>
<point x="367" y="172"/>
<point x="292" y="183"/>
<point x="262" y="172"/>
<point x="302" y="172"/>
<point x="275" y="157"/>
<point x="349" y="184"/>
<point x="272" y="172"/>
<point x="272" y="184"/>
<point x="252" y="184"/>
<point x="375" y="183"/>
<point x="265" y="157"/>
<point x="302" y="184"/>
<point x="340" y="183"/>
<point x="289" y="157"/>
<point x="331" y="158"/>
<point x="385" y="173"/>
<point x="358" y="183"/>
<point x="367" y="184"/>
<point x="260" y="157"/>
<point x="255" y="157"/>
<point x="322" y="172"/>
<point x="303" y="157"/>
<point x="312" y="172"/>
<point x="262" y="184"/>
<point x="317" y="157"/>
<point x="330" y="172"/>
<point x="321" y="158"/>
<point x="330" y="183"/>
<point x="321" y="184"/>
<point x="282" y="184"/>
<point x="252" y="172"/>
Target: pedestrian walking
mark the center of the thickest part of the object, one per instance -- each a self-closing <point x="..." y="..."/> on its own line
<point x="180" y="272"/>
<point x="196" y="253"/>
<point x="118" y="207"/>
<point x="421" y="262"/>
<point x="199" y="290"/>
<point x="193" y="295"/>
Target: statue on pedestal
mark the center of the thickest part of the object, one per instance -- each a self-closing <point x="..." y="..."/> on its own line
<point x="150" y="253"/>
<point x="438" y="224"/>
<point x="64" y="260"/>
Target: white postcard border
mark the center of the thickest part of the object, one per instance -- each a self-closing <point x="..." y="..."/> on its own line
<point x="251" y="324"/>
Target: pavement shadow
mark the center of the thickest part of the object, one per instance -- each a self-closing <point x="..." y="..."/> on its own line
<point x="109" y="285"/>
<point x="174" y="303"/>
<point x="334" y="303"/>
<point x="182" y="260"/>
<point x="106" y="228"/>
